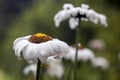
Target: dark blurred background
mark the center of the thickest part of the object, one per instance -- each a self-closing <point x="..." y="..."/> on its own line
<point x="25" y="17"/>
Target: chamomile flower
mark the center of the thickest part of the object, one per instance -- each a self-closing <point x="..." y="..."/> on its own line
<point x="100" y="62"/>
<point x="97" y="44"/>
<point x="31" y="68"/>
<point x="83" y="54"/>
<point x="39" y="46"/>
<point x="55" y="68"/>
<point x="74" y="14"/>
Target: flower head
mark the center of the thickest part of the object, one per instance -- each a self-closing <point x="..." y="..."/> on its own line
<point x="83" y="13"/>
<point x="55" y="68"/>
<point x="97" y="44"/>
<point x="31" y="68"/>
<point x="84" y="54"/>
<point x="100" y="62"/>
<point x="39" y="46"/>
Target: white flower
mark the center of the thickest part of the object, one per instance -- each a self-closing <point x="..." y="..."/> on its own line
<point x="39" y="46"/>
<point x="97" y="44"/>
<point x="83" y="12"/>
<point x="54" y="68"/>
<point x="84" y="54"/>
<point x="71" y="54"/>
<point x="31" y="68"/>
<point x="100" y="62"/>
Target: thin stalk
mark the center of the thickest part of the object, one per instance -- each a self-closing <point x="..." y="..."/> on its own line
<point x="76" y="53"/>
<point x="38" y="70"/>
<point x="69" y="70"/>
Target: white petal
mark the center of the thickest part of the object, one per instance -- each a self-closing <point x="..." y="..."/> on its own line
<point x="74" y="11"/>
<point x="55" y="68"/>
<point x="53" y="47"/>
<point x="73" y="22"/>
<point x="67" y="6"/>
<point x="20" y="38"/>
<point x="71" y="54"/>
<point x="85" y="54"/>
<point x="61" y="16"/>
<point x="60" y="46"/>
<point x="31" y="52"/>
<point x="84" y="6"/>
<point x="82" y="11"/>
<point x="102" y="19"/>
<point x="92" y="15"/>
<point x="19" y="45"/>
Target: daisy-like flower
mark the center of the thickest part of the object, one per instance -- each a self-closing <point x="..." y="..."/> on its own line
<point x="84" y="54"/>
<point x="97" y="44"/>
<point x="74" y="14"/>
<point x="31" y="68"/>
<point x="53" y="67"/>
<point x="39" y="46"/>
<point x="100" y="62"/>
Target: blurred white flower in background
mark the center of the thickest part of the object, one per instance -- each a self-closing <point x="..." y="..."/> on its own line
<point x="31" y="68"/>
<point x="100" y="62"/>
<point x="54" y="68"/>
<point x="39" y="46"/>
<point x="74" y="13"/>
<point x="84" y="54"/>
<point x="97" y="44"/>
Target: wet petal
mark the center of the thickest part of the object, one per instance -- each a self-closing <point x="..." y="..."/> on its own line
<point x="59" y="47"/>
<point x="73" y="22"/>
<point x="19" y="45"/>
<point x="19" y="39"/>
<point x="31" y="52"/>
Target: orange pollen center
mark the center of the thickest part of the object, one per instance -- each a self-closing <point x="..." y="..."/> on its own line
<point x="39" y="38"/>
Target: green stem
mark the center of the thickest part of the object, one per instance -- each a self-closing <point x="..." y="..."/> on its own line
<point x="76" y="53"/>
<point x="69" y="70"/>
<point x="38" y="70"/>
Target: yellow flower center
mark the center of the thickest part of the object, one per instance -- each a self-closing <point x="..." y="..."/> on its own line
<point x="40" y="35"/>
<point x="39" y="38"/>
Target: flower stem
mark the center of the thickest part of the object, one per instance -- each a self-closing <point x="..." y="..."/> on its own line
<point x="76" y="53"/>
<point x="68" y="77"/>
<point x="38" y="70"/>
